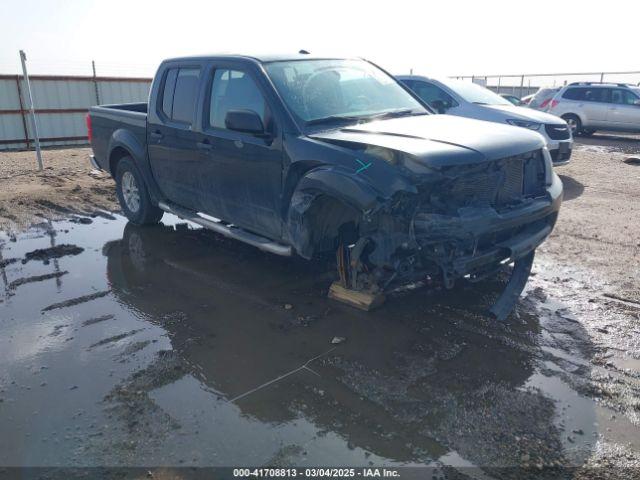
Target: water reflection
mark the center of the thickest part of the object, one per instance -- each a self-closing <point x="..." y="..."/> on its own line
<point x="415" y="380"/>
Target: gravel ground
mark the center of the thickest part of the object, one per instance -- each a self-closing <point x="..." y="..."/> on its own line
<point x="66" y="186"/>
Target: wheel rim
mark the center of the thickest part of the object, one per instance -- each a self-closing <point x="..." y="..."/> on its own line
<point x="130" y="192"/>
<point x="573" y="125"/>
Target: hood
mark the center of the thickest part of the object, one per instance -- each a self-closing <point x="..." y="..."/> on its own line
<point x="440" y="140"/>
<point x="524" y="113"/>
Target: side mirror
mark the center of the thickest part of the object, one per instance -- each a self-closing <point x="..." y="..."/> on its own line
<point x="246" y="121"/>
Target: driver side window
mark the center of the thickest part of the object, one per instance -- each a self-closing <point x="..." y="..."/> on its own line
<point x="434" y="96"/>
<point x="234" y="90"/>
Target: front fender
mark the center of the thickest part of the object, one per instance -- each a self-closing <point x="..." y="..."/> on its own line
<point x="336" y="183"/>
<point x="341" y="185"/>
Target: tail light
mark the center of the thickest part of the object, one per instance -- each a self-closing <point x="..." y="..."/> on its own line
<point x="545" y="103"/>
<point x="554" y="103"/>
<point x="89" y="129"/>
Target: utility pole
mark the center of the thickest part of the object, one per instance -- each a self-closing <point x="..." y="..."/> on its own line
<point x="34" y="124"/>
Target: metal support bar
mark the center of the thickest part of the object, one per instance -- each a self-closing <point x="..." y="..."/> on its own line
<point x="34" y="123"/>
<point x="519" y="276"/>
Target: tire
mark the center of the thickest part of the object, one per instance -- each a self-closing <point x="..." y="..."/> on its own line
<point x="587" y="133"/>
<point x="133" y="194"/>
<point x="574" y="122"/>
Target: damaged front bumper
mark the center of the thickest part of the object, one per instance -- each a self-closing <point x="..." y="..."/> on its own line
<point x="478" y="239"/>
<point x="473" y="242"/>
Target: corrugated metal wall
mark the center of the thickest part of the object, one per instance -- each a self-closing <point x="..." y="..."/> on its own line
<point x="61" y="103"/>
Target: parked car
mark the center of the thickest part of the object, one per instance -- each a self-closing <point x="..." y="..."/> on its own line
<point x="542" y="97"/>
<point x="512" y="99"/>
<point x="590" y="106"/>
<point x="466" y="99"/>
<point x="310" y="155"/>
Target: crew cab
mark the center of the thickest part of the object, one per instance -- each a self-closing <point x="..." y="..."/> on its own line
<point x="297" y="154"/>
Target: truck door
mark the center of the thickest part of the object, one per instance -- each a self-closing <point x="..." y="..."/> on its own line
<point x="241" y="173"/>
<point x="173" y="155"/>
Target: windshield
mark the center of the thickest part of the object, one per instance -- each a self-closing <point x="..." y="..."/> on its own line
<point x="475" y="93"/>
<point x="324" y="90"/>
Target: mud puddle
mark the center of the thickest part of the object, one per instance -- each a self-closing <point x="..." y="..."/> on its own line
<point x="172" y="346"/>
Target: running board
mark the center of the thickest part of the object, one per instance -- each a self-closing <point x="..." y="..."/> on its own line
<point x="230" y="231"/>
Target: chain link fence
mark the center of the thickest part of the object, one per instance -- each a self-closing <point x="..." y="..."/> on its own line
<point x="523" y="84"/>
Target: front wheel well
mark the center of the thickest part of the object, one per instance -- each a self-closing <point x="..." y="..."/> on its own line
<point x="323" y="225"/>
<point x="334" y="221"/>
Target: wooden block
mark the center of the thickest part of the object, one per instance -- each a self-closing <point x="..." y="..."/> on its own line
<point x="361" y="300"/>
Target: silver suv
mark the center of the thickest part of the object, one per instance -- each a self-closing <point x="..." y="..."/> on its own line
<point x="591" y="106"/>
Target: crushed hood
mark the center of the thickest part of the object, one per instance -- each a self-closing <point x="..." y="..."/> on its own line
<point x="440" y="140"/>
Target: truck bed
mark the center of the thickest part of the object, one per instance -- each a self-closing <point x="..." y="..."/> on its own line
<point x="107" y="119"/>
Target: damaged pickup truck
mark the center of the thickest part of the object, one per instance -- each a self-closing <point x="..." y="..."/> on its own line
<point x="306" y="155"/>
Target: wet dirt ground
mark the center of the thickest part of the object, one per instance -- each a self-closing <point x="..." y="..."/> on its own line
<point x="172" y="347"/>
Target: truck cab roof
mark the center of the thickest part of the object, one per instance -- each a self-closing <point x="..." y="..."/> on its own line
<point x="260" y="58"/>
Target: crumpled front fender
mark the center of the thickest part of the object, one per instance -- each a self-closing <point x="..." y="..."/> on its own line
<point x="346" y="188"/>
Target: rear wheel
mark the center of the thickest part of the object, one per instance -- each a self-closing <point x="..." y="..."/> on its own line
<point x="133" y="195"/>
<point x="575" y="125"/>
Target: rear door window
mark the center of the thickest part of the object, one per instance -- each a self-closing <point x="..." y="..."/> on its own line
<point x="180" y="94"/>
<point x="185" y="95"/>
<point x="586" y="94"/>
<point x="169" y="87"/>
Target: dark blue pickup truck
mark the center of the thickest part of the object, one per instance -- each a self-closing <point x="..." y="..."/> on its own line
<point x="309" y="155"/>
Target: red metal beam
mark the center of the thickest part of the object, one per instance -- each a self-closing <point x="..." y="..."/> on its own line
<point x="80" y="78"/>
<point x="46" y="110"/>
<point x="48" y="139"/>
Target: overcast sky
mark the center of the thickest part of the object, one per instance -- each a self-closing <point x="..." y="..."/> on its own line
<point x="448" y="37"/>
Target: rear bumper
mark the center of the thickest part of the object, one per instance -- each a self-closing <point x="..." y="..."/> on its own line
<point x="94" y="163"/>
<point x="481" y="238"/>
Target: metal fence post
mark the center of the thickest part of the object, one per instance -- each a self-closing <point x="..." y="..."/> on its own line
<point x="521" y="85"/>
<point x="602" y="77"/>
<point x="95" y="82"/>
<point x="34" y="124"/>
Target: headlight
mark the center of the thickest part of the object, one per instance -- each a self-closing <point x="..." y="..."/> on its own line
<point x="548" y="167"/>
<point x="524" y="123"/>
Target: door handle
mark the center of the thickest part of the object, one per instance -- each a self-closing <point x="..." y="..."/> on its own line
<point x="204" y="145"/>
<point x="156" y="135"/>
